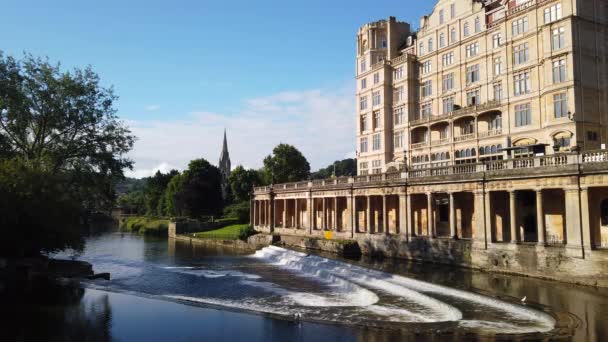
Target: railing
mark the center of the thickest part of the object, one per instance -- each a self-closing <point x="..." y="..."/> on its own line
<point x="419" y="145"/>
<point x="464" y="137"/>
<point x="490" y="133"/>
<point x="440" y="141"/>
<point x="419" y="121"/>
<point x="558" y="160"/>
<point x="477" y="108"/>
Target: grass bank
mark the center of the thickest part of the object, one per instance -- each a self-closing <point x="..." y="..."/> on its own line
<point x="231" y="232"/>
<point x="145" y="225"/>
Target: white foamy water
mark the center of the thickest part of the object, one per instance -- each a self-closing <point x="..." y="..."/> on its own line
<point x="420" y="306"/>
<point x="206" y="273"/>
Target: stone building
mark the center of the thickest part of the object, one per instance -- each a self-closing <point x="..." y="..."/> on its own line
<point x="480" y="143"/>
<point x="225" y="167"/>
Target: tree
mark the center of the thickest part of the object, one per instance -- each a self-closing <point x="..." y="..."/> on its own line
<point x="154" y="189"/>
<point x="346" y="167"/>
<point x="60" y="131"/>
<point x="241" y="183"/>
<point x="196" y="192"/>
<point x="286" y="164"/>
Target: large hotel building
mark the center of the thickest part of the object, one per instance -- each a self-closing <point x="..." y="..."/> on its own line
<point x="482" y="80"/>
<point x="481" y="141"/>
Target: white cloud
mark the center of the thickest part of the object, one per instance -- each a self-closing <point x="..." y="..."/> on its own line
<point x="320" y="123"/>
<point x="140" y="173"/>
<point x="152" y="108"/>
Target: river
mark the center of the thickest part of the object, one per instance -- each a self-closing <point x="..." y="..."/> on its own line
<point x="166" y="290"/>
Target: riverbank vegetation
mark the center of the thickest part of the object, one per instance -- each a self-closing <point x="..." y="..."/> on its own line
<point x="145" y="225"/>
<point x="232" y="232"/>
<point x="62" y="151"/>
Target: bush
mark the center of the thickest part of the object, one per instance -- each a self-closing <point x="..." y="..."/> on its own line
<point x="238" y="211"/>
<point x="145" y="225"/>
<point x="246" y="232"/>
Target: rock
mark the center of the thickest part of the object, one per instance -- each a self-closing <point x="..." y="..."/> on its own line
<point x="104" y="275"/>
<point x="71" y="268"/>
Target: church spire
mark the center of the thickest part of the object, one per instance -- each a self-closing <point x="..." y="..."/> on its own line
<point x="224" y="166"/>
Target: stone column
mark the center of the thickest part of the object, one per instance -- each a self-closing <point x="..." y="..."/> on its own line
<point x="402" y="216"/>
<point x="253" y="208"/>
<point x="368" y="221"/>
<point x="324" y="215"/>
<point x="540" y="217"/>
<point x="585" y="219"/>
<point x="310" y="212"/>
<point x="262" y="213"/>
<point x="479" y="226"/>
<point x="336" y="214"/>
<point x="487" y="234"/>
<point x="408" y="216"/>
<point x="349" y="216"/>
<point x="296" y="219"/>
<point x="453" y="233"/>
<point x="384" y="215"/>
<point x="513" y="216"/>
<point x="272" y="213"/>
<point x="429" y="214"/>
<point x="577" y="221"/>
<point x="285" y="213"/>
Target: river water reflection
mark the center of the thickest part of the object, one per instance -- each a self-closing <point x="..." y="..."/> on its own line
<point x="247" y="297"/>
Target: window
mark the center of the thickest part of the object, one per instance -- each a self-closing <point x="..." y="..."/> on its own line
<point x="448" y="82"/>
<point x="520" y="26"/>
<point x="465" y="30"/>
<point x="426" y="67"/>
<point x="376" y="78"/>
<point x="399" y="73"/>
<point x="497" y="91"/>
<point x="399" y="116"/>
<point x="473" y="74"/>
<point x="562" y="141"/>
<point x="453" y="11"/>
<point x="363" y="103"/>
<point x="376" y="165"/>
<point x="441" y="40"/>
<point x="591" y="135"/>
<point x="472" y="49"/>
<point x="521" y="83"/>
<point x="431" y="45"/>
<point x="559" y="71"/>
<point x="364" y="83"/>
<point x="382" y="44"/>
<point x="376" y="143"/>
<point x="448" y="105"/>
<point x="376" y="120"/>
<point x="363" y="65"/>
<point x="467" y="128"/>
<point x="426" y="89"/>
<point x="441" y="17"/>
<point x="363" y="146"/>
<point x="399" y="139"/>
<point x="425" y="110"/>
<point x="376" y="100"/>
<point x="497" y="40"/>
<point x="521" y="53"/>
<point x="399" y="94"/>
<point x="363" y="166"/>
<point x="558" y="40"/>
<point x="448" y="58"/>
<point x="443" y="133"/>
<point x="453" y="36"/>
<point x="422" y="48"/>
<point x="497" y="66"/>
<point x="496" y="122"/>
<point x="553" y="13"/>
<point x="560" y="108"/>
<point x="477" y="25"/>
<point x="523" y="115"/>
<point x="363" y="123"/>
<point x="473" y="98"/>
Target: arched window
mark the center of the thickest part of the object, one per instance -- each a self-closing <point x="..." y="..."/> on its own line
<point x="477" y="25"/>
<point x="443" y="156"/>
<point x="441" y="40"/>
<point x="433" y="157"/>
<point x="426" y="159"/>
<point x="499" y="148"/>
<point x="467" y="153"/>
<point x="604" y="212"/>
<point x="473" y="153"/>
<point x="447" y="155"/>
<point x="430" y="44"/>
<point x="457" y="153"/>
<point x="487" y="150"/>
<point x="494" y="149"/>
<point x="465" y="30"/>
<point x="481" y="152"/>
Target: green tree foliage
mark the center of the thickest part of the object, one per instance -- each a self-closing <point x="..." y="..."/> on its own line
<point x="196" y="192"/>
<point x="154" y="190"/>
<point x="241" y="182"/>
<point x="62" y="150"/>
<point x="346" y="167"/>
<point x="133" y="202"/>
<point x="286" y="164"/>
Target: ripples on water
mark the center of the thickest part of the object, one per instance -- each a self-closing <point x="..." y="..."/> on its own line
<point x="291" y="284"/>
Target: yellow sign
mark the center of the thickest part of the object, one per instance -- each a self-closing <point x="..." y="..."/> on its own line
<point x="328" y="234"/>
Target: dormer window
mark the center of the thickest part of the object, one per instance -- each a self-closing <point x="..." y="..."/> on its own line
<point x="441" y="17"/>
<point x="477" y="25"/>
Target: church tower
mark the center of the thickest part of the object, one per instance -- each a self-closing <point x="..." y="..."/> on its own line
<point x="224" y="166"/>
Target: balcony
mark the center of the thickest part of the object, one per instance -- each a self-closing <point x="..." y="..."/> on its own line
<point x="464" y="137"/>
<point x="490" y="133"/>
<point x="419" y="121"/>
<point x="419" y="145"/>
<point x="440" y="142"/>
<point x="478" y="108"/>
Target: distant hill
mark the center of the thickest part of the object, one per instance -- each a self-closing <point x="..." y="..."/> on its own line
<point x="129" y="185"/>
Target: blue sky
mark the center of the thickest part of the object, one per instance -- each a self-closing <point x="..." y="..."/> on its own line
<point x="269" y="71"/>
